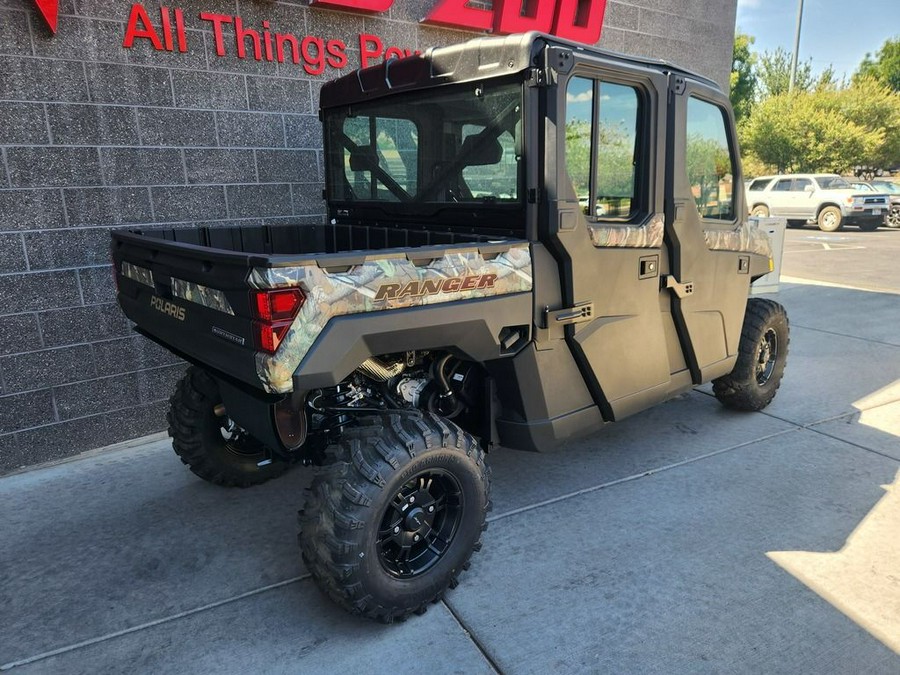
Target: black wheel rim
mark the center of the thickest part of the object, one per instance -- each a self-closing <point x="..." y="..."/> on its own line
<point x="419" y="524"/>
<point x="766" y="356"/>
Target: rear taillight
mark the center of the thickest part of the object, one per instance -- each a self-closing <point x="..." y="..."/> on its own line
<point x="269" y="337"/>
<point x="275" y="311"/>
<point x="278" y="305"/>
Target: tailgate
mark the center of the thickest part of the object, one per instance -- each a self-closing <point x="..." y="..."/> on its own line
<point x="192" y="299"/>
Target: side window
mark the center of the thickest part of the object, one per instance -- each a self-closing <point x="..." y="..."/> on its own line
<point x="389" y="144"/>
<point x="579" y="123"/>
<point x="800" y="184"/>
<point x="759" y="184"/>
<point x="710" y="165"/>
<point x="602" y="150"/>
<point x="784" y="185"/>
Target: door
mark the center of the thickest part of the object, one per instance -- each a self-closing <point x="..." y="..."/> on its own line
<point x="798" y="201"/>
<point x="606" y="230"/>
<point x="779" y="197"/>
<point x="709" y="287"/>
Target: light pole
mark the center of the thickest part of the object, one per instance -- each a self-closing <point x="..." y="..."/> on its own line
<point x="796" y="56"/>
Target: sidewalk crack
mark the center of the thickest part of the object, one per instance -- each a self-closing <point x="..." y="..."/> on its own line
<point x="149" y="624"/>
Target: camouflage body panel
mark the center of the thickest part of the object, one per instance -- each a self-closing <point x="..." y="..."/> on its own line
<point x="628" y="236"/>
<point x="362" y="289"/>
<point x="745" y="238"/>
<point x="201" y="295"/>
<point x="140" y="274"/>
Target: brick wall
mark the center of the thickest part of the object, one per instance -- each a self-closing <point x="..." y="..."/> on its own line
<point x="95" y="136"/>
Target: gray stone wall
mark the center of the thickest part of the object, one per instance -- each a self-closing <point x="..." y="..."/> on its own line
<point x="95" y="136"/>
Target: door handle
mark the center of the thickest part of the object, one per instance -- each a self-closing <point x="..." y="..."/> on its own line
<point x="681" y="289"/>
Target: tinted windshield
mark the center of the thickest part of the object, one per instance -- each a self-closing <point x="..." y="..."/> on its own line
<point x="832" y="182"/>
<point x="445" y="146"/>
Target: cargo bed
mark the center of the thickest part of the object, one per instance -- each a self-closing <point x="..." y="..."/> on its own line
<point x="194" y="290"/>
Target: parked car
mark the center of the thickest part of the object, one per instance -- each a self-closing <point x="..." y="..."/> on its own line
<point x="893" y="191"/>
<point x="826" y="199"/>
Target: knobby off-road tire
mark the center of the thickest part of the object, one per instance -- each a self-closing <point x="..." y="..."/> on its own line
<point x="211" y="446"/>
<point x="762" y="355"/>
<point x="390" y="523"/>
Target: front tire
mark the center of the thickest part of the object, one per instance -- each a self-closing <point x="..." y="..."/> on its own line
<point x="893" y="219"/>
<point x="392" y="521"/>
<point x="211" y="444"/>
<point x="762" y="355"/>
<point x="829" y="219"/>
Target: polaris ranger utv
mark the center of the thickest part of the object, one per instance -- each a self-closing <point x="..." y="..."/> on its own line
<point x="526" y="239"/>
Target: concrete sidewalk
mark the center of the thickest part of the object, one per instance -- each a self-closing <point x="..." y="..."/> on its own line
<point x="685" y="539"/>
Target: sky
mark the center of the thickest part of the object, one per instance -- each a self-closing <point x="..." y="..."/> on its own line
<point x="837" y="32"/>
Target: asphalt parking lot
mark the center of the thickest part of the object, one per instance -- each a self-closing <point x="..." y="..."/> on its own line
<point x="864" y="259"/>
<point x="685" y="539"/>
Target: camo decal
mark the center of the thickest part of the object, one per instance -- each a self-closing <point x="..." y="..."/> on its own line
<point x="202" y="295"/>
<point x="140" y="274"/>
<point x="745" y="238"/>
<point x="361" y="289"/>
<point x="628" y="236"/>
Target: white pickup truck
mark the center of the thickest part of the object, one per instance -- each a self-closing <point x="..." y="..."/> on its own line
<point x="826" y="199"/>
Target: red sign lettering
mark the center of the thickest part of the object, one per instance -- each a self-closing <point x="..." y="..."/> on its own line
<point x="140" y="26"/>
<point x="511" y="17"/>
<point x="50" y="11"/>
<point x="457" y="13"/>
<point x="579" y="20"/>
<point x="375" y="6"/>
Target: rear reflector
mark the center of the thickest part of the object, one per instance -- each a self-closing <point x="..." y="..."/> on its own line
<point x="269" y="336"/>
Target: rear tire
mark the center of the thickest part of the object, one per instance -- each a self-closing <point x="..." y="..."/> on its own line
<point x="760" y="211"/>
<point x="211" y="445"/>
<point x="392" y="521"/>
<point x="829" y="219"/>
<point x="762" y="355"/>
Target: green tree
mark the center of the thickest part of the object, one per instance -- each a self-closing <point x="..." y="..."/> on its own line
<point x="743" y="77"/>
<point x="807" y="132"/>
<point x="874" y="106"/>
<point x="774" y="74"/>
<point x="885" y="67"/>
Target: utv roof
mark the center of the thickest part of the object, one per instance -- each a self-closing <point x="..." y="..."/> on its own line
<point x="475" y="59"/>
